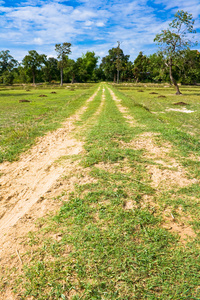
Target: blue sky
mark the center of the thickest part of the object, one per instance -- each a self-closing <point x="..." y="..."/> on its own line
<point x="89" y="25"/>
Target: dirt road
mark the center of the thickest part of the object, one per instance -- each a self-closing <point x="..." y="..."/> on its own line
<point x="29" y="187"/>
<point x="23" y="183"/>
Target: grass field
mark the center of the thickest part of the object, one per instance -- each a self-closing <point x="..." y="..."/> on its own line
<point x="162" y="101"/>
<point x="22" y="122"/>
<point x="131" y="230"/>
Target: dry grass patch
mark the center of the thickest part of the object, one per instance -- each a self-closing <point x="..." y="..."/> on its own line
<point x="131" y="121"/>
<point x="178" y="225"/>
<point x="161" y="175"/>
<point x="168" y="178"/>
<point x="122" y="167"/>
<point x="146" y="141"/>
<point x="149" y="202"/>
<point x="130" y="204"/>
<point x="194" y="157"/>
<point x="167" y="174"/>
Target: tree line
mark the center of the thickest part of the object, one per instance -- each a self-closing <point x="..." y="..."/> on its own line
<point x="174" y="62"/>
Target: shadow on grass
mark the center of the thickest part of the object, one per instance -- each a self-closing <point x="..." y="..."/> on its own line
<point x="14" y="95"/>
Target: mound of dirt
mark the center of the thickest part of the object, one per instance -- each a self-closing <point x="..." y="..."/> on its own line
<point x="140" y="91"/>
<point x="153" y="93"/>
<point x="53" y="93"/>
<point x="23" y="100"/>
<point x="180" y="103"/>
<point x="43" y="96"/>
<point x="161" y="96"/>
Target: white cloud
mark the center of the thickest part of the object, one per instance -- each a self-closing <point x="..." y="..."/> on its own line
<point x="100" y="24"/>
<point x="4" y="9"/>
<point x="82" y="15"/>
<point x="40" y="24"/>
<point x="89" y="23"/>
<point x="38" y="41"/>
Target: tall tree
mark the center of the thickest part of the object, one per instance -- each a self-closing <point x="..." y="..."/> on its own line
<point x="21" y="75"/>
<point x="33" y="61"/>
<point x="189" y="67"/>
<point x="83" y="68"/>
<point x="118" y="61"/>
<point x="89" y="63"/>
<point x="7" y="67"/>
<point x="50" y="70"/>
<point x="140" y="67"/>
<point x="62" y="50"/>
<point x="174" y="40"/>
<point x="157" y="68"/>
<point x="98" y="74"/>
<point x="110" y="62"/>
<point x="7" y="62"/>
<point x="72" y="69"/>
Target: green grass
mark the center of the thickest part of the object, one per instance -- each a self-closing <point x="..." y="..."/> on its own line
<point x="21" y="123"/>
<point x="97" y="248"/>
<point x="186" y="122"/>
<point x="92" y="107"/>
<point x="171" y="125"/>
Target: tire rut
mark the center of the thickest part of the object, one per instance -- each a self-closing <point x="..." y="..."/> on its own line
<point x="129" y="119"/>
<point x="25" y="181"/>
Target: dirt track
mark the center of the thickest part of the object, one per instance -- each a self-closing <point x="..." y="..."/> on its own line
<point x="23" y="183"/>
<point x="29" y="185"/>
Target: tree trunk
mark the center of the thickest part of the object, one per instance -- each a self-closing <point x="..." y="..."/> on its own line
<point x="73" y="78"/>
<point x="172" y="78"/>
<point x="61" y="76"/>
<point x="118" y="76"/>
<point x="114" y="78"/>
<point x="33" y="78"/>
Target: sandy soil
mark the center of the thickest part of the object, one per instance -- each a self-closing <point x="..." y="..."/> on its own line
<point x="23" y="183"/>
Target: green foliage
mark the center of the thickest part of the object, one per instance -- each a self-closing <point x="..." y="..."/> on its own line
<point x="62" y="51"/>
<point x="85" y="66"/>
<point x="71" y="70"/>
<point x="98" y="74"/>
<point x="89" y="64"/>
<point x="140" y="70"/>
<point x="7" y="62"/>
<point x="33" y="61"/>
<point x="183" y="65"/>
<point x="157" y="68"/>
<point x="22" y="75"/>
<point x="110" y="62"/>
<point x="189" y="66"/>
<point x="7" y="77"/>
<point x="50" y="70"/>
<point x="7" y="67"/>
<point x="174" y="41"/>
